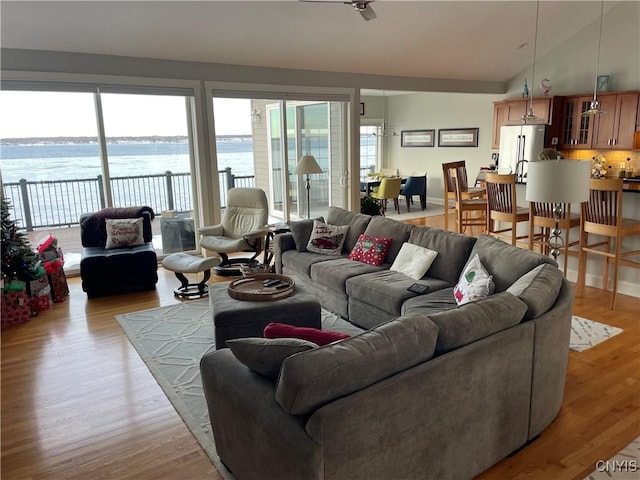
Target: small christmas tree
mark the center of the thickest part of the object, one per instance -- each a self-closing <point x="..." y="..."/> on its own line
<point x="18" y="260"/>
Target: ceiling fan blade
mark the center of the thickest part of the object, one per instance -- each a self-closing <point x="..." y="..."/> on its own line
<point x="368" y="13"/>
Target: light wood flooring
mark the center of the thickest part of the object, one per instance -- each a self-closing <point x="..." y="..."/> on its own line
<point x="78" y="403"/>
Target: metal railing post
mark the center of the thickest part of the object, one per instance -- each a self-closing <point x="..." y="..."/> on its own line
<point x="169" y="190"/>
<point x="26" y="207"/>
<point x="230" y="178"/>
<point x="101" y="191"/>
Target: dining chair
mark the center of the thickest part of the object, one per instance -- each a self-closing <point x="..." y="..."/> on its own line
<point x="602" y="216"/>
<point x="415" y="185"/>
<point x="389" y="190"/>
<point x="449" y="187"/>
<point x="470" y="212"/>
<point x="502" y="207"/>
<point x="541" y="217"/>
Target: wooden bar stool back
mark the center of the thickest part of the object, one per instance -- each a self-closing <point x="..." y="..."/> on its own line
<point x="470" y="212"/>
<point x="503" y="208"/>
<point x="541" y="217"/>
<point x="449" y="187"/>
<point x="602" y="216"/>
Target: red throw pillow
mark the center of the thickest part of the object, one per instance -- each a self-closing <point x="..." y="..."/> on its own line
<point x="371" y="250"/>
<point x="319" y="337"/>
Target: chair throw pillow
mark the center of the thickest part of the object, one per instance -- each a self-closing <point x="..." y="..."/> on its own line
<point x="371" y="250"/>
<point x="327" y="239"/>
<point x="474" y="283"/>
<point x="413" y="260"/>
<point x="319" y="337"/>
<point x="124" y="232"/>
<point x="265" y="356"/>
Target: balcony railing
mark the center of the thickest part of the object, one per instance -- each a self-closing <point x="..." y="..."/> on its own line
<point x="58" y="203"/>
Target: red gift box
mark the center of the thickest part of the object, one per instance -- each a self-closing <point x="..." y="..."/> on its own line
<point x="15" y="309"/>
<point x="39" y="304"/>
<point x="59" y="286"/>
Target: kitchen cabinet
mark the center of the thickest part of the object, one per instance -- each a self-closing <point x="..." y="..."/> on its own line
<point x="577" y="129"/>
<point x="510" y="112"/>
<point x="616" y="128"/>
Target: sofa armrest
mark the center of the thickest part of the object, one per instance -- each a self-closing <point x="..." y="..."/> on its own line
<point x="214" y="230"/>
<point x="282" y="243"/>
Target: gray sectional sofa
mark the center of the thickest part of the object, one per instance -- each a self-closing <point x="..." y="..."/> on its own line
<point x="425" y="389"/>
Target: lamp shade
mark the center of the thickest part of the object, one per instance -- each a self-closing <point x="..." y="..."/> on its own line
<point x="307" y="165"/>
<point x="558" y="181"/>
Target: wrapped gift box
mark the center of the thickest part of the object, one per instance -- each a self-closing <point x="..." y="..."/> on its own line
<point x="39" y="304"/>
<point x="15" y="308"/>
<point x="59" y="286"/>
<point x="38" y="287"/>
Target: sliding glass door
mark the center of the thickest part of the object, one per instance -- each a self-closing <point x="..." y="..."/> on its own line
<point x="282" y="130"/>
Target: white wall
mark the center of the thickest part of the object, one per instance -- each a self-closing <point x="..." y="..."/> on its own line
<point x="419" y="111"/>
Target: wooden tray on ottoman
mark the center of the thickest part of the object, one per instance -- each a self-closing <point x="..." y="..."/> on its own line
<point x="250" y="288"/>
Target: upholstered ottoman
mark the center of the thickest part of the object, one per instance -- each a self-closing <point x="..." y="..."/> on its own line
<point x="181" y="263"/>
<point x="240" y="318"/>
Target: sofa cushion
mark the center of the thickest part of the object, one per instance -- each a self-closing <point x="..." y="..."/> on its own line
<point x="474" y="283"/>
<point x="433" y="302"/>
<point x="413" y="260"/>
<point x="326" y="238"/>
<point x="371" y="250"/>
<point x="386" y="289"/>
<point x="124" y="232"/>
<point x="453" y="251"/>
<point x="385" y="227"/>
<point x="316" y="377"/>
<point x="315" y="335"/>
<point x="505" y="262"/>
<point x="265" y="356"/>
<point x="335" y="273"/>
<point x="301" y="263"/>
<point x="357" y="223"/>
<point x="301" y="231"/>
<point x="473" y="321"/>
<point x="538" y="288"/>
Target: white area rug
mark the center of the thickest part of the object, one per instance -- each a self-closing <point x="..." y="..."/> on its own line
<point x="625" y="465"/>
<point x="431" y="211"/>
<point x="587" y="333"/>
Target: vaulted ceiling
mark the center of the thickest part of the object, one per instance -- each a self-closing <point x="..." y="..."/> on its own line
<point x="465" y="40"/>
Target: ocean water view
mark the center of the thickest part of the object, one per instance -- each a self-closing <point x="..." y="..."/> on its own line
<point x="67" y="161"/>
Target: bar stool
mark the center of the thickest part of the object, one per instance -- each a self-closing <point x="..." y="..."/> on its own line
<point x="464" y="207"/>
<point x="541" y="216"/>
<point x="503" y="207"/>
<point x="602" y="216"/>
<point x="449" y="187"/>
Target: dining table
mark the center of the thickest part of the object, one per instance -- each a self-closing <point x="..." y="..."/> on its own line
<point x="368" y="184"/>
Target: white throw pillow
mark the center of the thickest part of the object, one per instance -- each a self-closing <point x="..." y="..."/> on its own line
<point x="474" y="283"/>
<point x="413" y="260"/>
<point x="327" y="239"/>
<point x="124" y="232"/>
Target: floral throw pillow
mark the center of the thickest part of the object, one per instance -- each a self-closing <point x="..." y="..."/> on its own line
<point x="327" y="239"/>
<point x="371" y="250"/>
<point x="474" y="283"/>
<point x="124" y="232"/>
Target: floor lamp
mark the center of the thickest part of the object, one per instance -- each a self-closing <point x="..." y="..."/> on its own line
<point x="306" y="166"/>
<point x="558" y="182"/>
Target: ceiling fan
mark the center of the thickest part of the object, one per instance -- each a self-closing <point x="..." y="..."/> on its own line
<point x="361" y="6"/>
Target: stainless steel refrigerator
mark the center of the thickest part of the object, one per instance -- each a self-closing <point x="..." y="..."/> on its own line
<point x="519" y="145"/>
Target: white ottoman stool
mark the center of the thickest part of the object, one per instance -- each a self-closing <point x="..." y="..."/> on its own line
<point x="181" y="263"/>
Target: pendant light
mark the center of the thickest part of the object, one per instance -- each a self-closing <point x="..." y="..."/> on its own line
<point x="386" y="130"/>
<point x="594" y="108"/>
<point x="529" y="116"/>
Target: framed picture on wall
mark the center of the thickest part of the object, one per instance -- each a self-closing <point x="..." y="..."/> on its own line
<point x="458" y="137"/>
<point x="417" y="138"/>
<point x="361" y="108"/>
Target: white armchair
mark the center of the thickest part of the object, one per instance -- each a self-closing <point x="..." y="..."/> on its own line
<point x="243" y="228"/>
